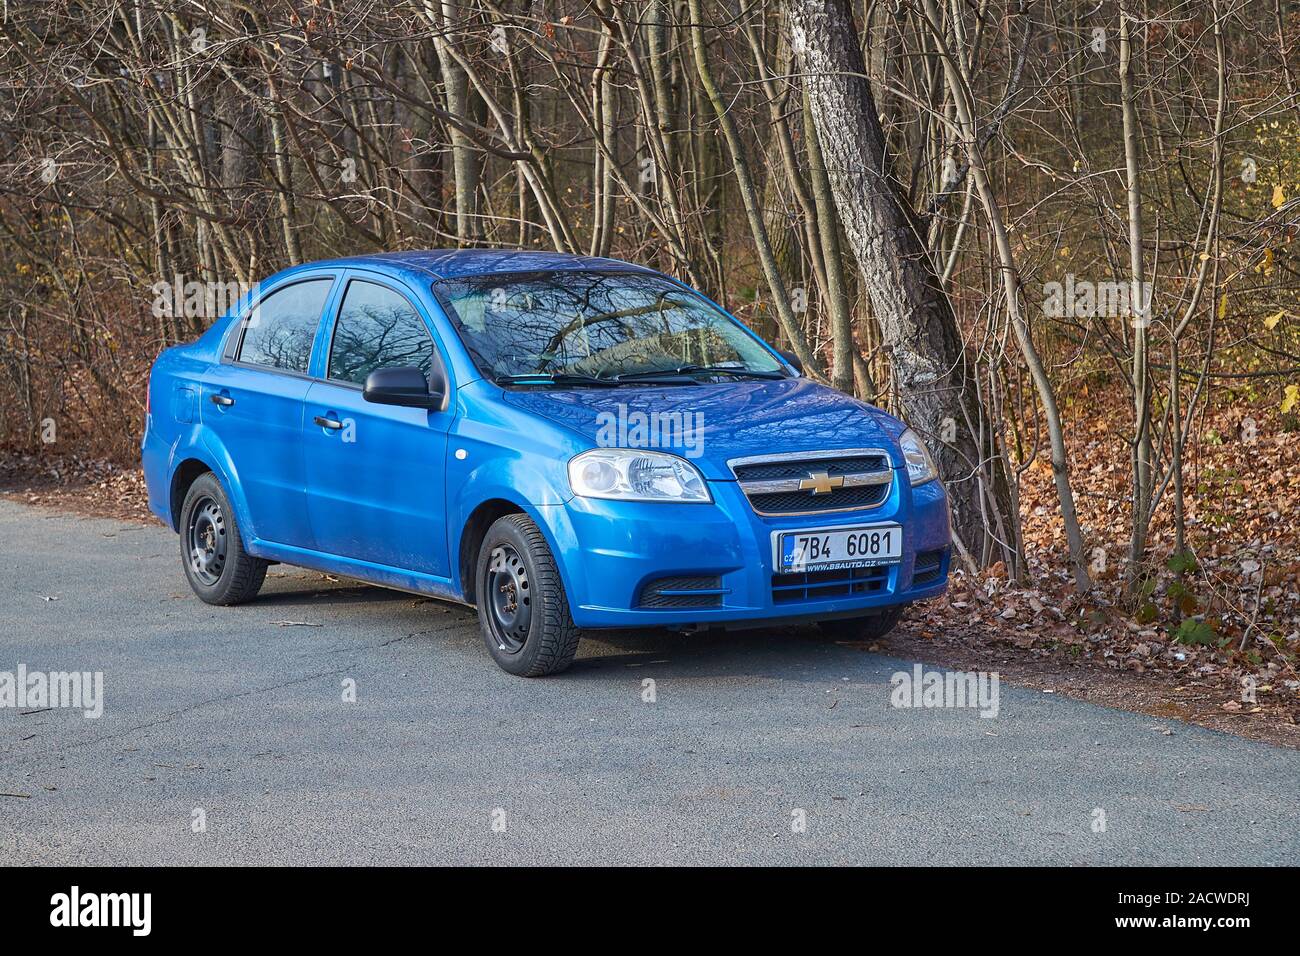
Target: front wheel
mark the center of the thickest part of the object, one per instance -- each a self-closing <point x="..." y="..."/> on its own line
<point x="522" y="607"/>
<point x="869" y="628"/>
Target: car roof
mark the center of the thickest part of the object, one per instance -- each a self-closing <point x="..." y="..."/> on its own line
<point x="461" y="263"/>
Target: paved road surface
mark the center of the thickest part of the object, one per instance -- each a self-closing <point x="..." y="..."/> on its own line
<point x="225" y="710"/>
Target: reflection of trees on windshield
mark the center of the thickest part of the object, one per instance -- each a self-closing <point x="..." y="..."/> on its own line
<point x="377" y="328"/>
<point x="593" y="324"/>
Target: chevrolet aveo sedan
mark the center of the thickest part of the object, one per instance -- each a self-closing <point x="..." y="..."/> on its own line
<point x="562" y="442"/>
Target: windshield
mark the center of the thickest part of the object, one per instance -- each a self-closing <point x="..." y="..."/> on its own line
<point x="574" y="326"/>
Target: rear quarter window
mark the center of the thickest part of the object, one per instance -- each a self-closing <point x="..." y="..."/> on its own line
<point x="280" y="330"/>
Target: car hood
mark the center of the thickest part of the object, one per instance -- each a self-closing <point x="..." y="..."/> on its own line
<point x="711" y="423"/>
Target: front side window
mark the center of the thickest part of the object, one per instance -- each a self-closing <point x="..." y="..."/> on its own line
<point x="377" y="328"/>
<point x="601" y="325"/>
<point x="280" y="330"/>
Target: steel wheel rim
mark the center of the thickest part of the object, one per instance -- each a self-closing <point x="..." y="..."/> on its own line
<point x="509" y="599"/>
<point x="205" y="541"/>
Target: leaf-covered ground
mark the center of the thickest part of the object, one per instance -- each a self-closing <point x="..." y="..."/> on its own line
<point x="1217" y="643"/>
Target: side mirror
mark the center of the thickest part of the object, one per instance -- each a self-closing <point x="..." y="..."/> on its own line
<point x="405" y="385"/>
<point x="793" y="360"/>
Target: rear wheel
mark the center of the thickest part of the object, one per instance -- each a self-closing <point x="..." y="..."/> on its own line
<point x="870" y="628"/>
<point x="218" y="568"/>
<point x="522" y="607"/>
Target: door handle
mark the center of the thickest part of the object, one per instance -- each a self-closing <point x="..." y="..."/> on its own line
<point x="324" y="422"/>
<point x="225" y="401"/>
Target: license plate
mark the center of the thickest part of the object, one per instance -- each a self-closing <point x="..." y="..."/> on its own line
<point x="827" y="549"/>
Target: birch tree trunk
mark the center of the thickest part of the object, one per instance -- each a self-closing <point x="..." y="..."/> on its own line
<point x="1139" y="305"/>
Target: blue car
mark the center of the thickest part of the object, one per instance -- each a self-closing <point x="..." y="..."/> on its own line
<point x="564" y="442"/>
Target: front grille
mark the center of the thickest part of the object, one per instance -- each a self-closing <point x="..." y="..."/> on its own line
<point x="823" y="585"/>
<point x="798" y="468"/>
<point x="928" y="567"/>
<point x="815" y="482"/>
<point x="683" y="592"/>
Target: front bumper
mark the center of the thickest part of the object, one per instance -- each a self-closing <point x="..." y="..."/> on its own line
<point x="612" y="552"/>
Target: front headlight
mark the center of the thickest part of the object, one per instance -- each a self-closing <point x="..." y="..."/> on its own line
<point x="920" y="466"/>
<point x="628" y="475"/>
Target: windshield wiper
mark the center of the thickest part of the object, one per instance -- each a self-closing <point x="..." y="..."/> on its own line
<point x="573" y="378"/>
<point x="693" y="369"/>
<point x="555" y="378"/>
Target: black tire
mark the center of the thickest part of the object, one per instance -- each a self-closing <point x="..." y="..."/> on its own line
<point x="212" y="548"/>
<point x="870" y="628"/>
<point x="522" y="608"/>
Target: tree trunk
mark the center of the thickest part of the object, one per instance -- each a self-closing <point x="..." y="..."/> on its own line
<point x="456" y="91"/>
<point x="844" y="371"/>
<point x="603" y="118"/>
<point x="934" y="381"/>
<point x="284" y="178"/>
<point x="1140" y="307"/>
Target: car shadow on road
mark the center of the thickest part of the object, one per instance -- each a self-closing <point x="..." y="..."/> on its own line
<point x="316" y="597"/>
<point x="303" y="592"/>
<point x="777" y="652"/>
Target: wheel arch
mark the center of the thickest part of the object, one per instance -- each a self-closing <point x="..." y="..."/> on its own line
<point x="195" y="456"/>
<point x="471" y="538"/>
<point x="185" y="474"/>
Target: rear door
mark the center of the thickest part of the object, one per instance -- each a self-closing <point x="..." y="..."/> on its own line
<point x="376" y="484"/>
<point x="253" y="402"/>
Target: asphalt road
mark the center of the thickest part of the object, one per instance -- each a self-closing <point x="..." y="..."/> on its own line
<point x="443" y="758"/>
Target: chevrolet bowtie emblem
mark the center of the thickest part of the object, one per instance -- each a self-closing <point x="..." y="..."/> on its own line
<point x="820" y="483"/>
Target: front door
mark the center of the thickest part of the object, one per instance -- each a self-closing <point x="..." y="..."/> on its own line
<point x="376" y="481"/>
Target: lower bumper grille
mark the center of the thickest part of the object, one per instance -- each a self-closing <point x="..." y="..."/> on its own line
<point x="682" y="592"/>
<point x="929" y="567"/>
<point x="824" y="585"/>
<point x="799" y="502"/>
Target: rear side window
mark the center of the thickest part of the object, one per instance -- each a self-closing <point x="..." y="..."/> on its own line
<point x="281" y="328"/>
<point x="377" y="328"/>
